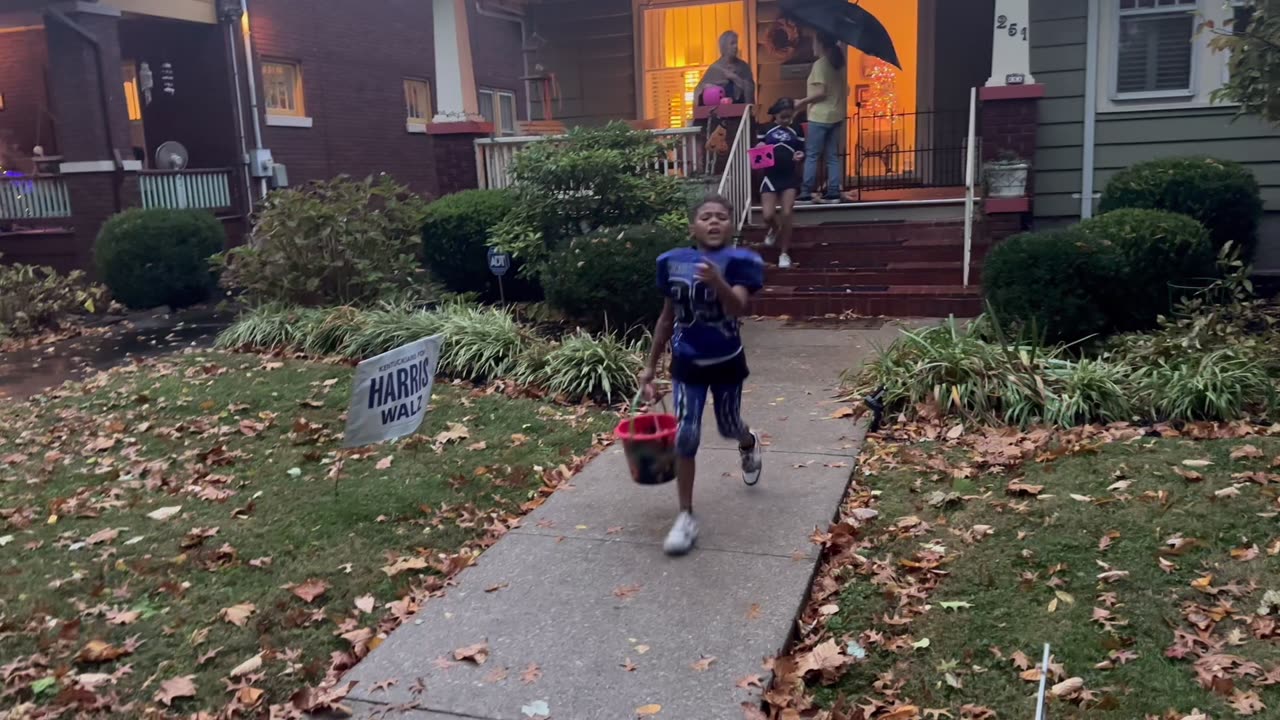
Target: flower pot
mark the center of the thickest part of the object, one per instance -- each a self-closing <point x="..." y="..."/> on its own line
<point x="1007" y="178"/>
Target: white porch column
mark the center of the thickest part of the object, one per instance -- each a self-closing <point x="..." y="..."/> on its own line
<point x="456" y="98"/>
<point x="1011" y="54"/>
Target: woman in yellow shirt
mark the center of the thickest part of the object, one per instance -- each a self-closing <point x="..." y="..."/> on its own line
<point x="827" y="105"/>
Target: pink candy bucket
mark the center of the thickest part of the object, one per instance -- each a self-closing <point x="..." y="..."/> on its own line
<point x="712" y="95"/>
<point x="761" y="157"/>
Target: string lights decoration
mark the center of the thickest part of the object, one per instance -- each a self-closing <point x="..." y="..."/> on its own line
<point x="882" y="100"/>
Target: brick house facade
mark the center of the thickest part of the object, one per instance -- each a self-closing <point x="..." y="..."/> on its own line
<point x="338" y="88"/>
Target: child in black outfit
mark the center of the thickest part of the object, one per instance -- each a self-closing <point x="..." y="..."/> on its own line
<point x="782" y="181"/>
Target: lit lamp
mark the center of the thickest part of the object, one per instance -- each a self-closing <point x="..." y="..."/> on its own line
<point x="1" y="101"/>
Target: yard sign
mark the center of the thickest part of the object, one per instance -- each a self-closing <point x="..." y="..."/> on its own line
<point x="390" y="393"/>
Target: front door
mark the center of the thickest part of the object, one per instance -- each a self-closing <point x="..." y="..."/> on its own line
<point x="679" y="43"/>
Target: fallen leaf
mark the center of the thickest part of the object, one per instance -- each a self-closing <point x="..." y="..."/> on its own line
<point x="405" y="564"/>
<point x="955" y="432"/>
<point x="477" y="446"/>
<point x="1166" y="566"/>
<point x="642" y="649"/>
<point x="496" y="588"/>
<point x="1246" y="451"/>
<point x="165" y="513"/>
<point x="626" y="592"/>
<point x="365" y="603"/>
<point x="249" y="696"/>
<point x="260" y="562"/>
<point x="753" y="612"/>
<point x="955" y="605"/>
<point x="648" y="710"/>
<point x="751" y="681"/>
<point x="1197" y="463"/>
<point x="1246" y="703"/>
<point x="122" y="617"/>
<point x="496" y="676"/>
<point x="175" y="688"/>
<point x="629" y="666"/>
<point x="531" y="674"/>
<point x="1227" y="492"/>
<point x="310" y="590"/>
<point x="921" y="644"/>
<point x="1016" y="487"/>
<point x="100" y="651"/>
<point x="384" y="463"/>
<point x="843" y="412"/>
<point x="102" y="536"/>
<point x="536" y="709"/>
<point x="1067" y="687"/>
<point x="904" y="712"/>
<point x="477" y="653"/>
<point x="703" y="664"/>
<point x="253" y="664"/>
<point x="238" y="615"/>
<point x="517" y="440"/>
<point x="1188" y="475"/>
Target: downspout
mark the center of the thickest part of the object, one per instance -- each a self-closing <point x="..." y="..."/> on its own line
<point x="250" y="74"/>
<point x="240" y="130"/>
<point x="103" y="98"/>
<point x="1088" y="161"/>
<point x="524" y="54"/>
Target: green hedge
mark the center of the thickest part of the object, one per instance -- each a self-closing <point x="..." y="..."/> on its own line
<point x="1157" y="250"/>
<point x="150" y="258"/>
<point x="1224" y="196"/>
<point x="455" y="244"/>
<point x="1053" y="283"/>
<point x="608" y="278"/>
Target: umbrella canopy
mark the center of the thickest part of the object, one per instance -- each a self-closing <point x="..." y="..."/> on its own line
<point x="846" y="22"/>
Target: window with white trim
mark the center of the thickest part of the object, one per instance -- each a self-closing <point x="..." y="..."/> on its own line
<point x="1155" y="48"/>
<point x="417" y="101"/>
<point x="282" y="87"/>
<point x="498" y="107"/>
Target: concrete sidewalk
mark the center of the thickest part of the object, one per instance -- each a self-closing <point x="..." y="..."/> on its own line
<point x="589" y="599"/>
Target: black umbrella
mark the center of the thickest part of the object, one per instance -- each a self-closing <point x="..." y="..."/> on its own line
<point x="846" y="22"/>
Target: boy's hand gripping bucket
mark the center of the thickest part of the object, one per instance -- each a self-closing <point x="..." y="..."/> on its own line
<point x="649" y="442"/>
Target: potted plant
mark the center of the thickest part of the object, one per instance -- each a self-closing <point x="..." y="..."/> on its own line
<point x="1006" y="176"/>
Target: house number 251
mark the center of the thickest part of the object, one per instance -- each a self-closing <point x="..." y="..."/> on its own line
<point x="1013" y="28"/>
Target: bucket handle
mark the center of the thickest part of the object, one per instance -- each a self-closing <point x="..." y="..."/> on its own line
<point x="635" y="402"/>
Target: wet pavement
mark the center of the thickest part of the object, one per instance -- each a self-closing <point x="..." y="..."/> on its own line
<point x="28" y="372"/>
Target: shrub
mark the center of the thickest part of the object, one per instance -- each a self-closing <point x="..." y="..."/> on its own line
<point x="482" y="344"/>
<point x="607" y="278"/>
<point x="390" y="326"/>
<point x="268" y="327"/>
<point x="1157" y="250"/>
<point x="1053" y="283"/>
<point x="1224" y="196"/>
<point x="603" y="369"/>
<point x="35" y="298"/>
<point x="456" y="241"/>
<point x="1219" y="385"/>
<point x="340" y="242"/>
<point x="159" y="257"/>
<point x="592" y="178"/>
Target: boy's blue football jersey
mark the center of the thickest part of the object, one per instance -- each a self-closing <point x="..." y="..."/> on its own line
<point x="703" y="331"/>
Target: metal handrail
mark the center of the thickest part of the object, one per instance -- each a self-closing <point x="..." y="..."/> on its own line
<point x="735" y="184"/>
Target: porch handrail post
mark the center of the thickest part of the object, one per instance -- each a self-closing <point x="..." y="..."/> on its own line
<point x="969" y="180"/>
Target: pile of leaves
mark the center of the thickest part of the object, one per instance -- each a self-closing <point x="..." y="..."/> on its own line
<point x="1147" y="557"/>
<point x="187" y="536"/>
<point x="480" y="345"/>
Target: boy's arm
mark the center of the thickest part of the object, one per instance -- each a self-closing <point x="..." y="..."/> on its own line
<point x="661" y="339"/>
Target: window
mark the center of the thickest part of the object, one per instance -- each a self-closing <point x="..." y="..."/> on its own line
<point x="1155" y="48"/>
<point x="282" y="86"/>
<point x="498" y="107"/>
<point x="132" y="101"/>
<point x="680" y="43"/>
<point x="417" y="101"/>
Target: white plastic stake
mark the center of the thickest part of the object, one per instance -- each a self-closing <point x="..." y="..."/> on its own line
<point x="969" y="181"/>
<point x="1044" y="676"/>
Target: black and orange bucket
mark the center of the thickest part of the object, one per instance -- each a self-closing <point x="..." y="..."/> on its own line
<point x="649" y="442"/>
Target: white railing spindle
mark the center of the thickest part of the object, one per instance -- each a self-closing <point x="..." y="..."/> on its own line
<point x="683" y="160"/>
<point x="187" y="189"/>
<point x="34" y="197"/>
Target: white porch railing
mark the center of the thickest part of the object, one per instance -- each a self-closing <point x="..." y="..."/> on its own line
<point x="34" y="197"/>
<point x="186" y="189"/>
<point x="495" y="155"/>
<point x="735" y="184"/>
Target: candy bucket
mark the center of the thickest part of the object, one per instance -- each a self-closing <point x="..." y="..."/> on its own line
<point x="649" y="442"/>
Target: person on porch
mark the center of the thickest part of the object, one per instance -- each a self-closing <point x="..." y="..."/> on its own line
<point x="730" y="72"/>
<point x="827" y="104"/>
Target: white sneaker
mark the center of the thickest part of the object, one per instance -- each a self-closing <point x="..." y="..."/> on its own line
<point x="771" y="238"/>
<point x="752" y="461"/>
<point x="784" y="261"/>
<point x="684" y="533"/>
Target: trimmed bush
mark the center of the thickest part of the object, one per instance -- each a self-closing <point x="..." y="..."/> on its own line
<point x="1157" y="249"/>
<point x="341" y="242"/>
<point x="608" y="278"/>
<point x="455" y="244"/>
<point x="1054" y="284"/>
<point x="150" y="258"/>
<point x="1224" y="196"/>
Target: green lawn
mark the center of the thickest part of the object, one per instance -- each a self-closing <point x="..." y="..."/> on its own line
<point x="1143" y="562"/>
<point x="101" y="603"/>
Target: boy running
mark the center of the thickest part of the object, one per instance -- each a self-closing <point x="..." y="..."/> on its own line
<point x="707" y="288"/>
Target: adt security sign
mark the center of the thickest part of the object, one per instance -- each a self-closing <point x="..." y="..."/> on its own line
<point x="390" y="393"/>
<point x="499" y="262"/>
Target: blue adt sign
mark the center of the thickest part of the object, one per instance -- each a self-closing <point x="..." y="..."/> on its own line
<point x="499" y="262"/>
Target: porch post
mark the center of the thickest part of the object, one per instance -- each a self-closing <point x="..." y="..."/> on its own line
<point x="1011" y="52"/>
<point x="456" y="96"/>
<point x="457" y="123"/>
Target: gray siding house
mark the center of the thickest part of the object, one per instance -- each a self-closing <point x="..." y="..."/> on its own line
<point x="1130" y="80"/>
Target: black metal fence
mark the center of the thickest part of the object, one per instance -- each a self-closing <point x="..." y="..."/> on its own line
<point x="902" y="151"/>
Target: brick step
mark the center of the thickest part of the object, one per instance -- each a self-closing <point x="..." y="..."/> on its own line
<point x="841" y="278"/>
<point x="866" y="232"/>
<point x="884" y="301"/>
<point x="828" y="257"/>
